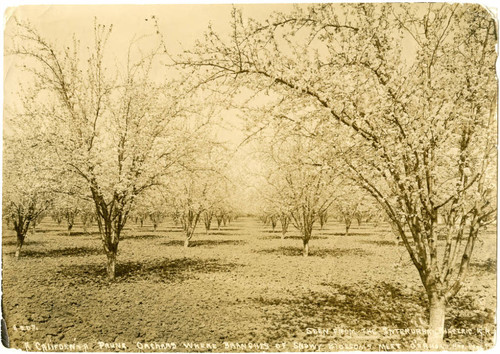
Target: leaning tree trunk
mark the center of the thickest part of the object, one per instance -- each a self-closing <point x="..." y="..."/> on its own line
<point x="189" y="236"/>
<point x="191" y="222"/>
<point x="437" y="312"/>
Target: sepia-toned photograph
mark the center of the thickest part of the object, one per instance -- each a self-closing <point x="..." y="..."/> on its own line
<point x="229" y="178"/>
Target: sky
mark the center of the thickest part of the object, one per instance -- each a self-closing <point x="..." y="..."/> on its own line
<point x="180" y="26"/>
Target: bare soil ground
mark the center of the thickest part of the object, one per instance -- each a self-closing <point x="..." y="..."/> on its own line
<point x="237" y="289"/>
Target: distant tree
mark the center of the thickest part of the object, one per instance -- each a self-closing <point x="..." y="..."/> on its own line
<point x="150" y="205"/>
<point x="70" y="215"/>
<point x="156" y="218"/>
<point x="284" y="218"/>
<point x="187" y="201"/>
<point x="36" y="221"/>
<point x="352" y="203"/>
<point x="323" y="219"/>
<point x="298" y="185"/>
<point x="284" y="221"/>
<point x="273" y="220"/>
<point x="199" y="188"/>
<point x="87" y="216"/>
<point x="25" y="194"/>
<point x="67" y="207"/>
<point x="57" y="216"/>
<point x="219" y="216"/>
<point x="208" y="216"/>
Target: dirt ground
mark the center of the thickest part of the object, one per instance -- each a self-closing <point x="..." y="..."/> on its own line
<point x="238" y="289"/>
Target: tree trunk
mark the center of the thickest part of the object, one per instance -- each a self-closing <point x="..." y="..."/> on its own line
<point x="208" y="223"/>
<point x="18" y="248"/>
<point x="111" y="239"/>
<point x="284" y="226"/>
<point x="305" y="251"/>
<point x="20" y="243"/>
<point x="189" y="235"/>
<point x="437" y="312"/>
<point x="111" y="265"/>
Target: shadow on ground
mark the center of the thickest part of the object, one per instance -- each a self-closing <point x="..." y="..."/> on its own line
<point x="225" y="228"/>
<point x="142" y="237"/>
<point x="167" y="270"/>
<point x="489" y="266"/>
<point x="380" y="242"/>
<point x="348" y="307"/>
<point x="314" y="252"/>
<point x="277" y="231"/>
<point x="313" y="237"/>
<point x="220" y="233"/>
<point x="26" y="243"/>
<point x="149" y="228"/>
<point x="464" y="313"/>
<point x="47" y="231"/>
<point x="80" y="233"/>
<point x="357" y="307"/>
<point x="203" y="243"/>
<point x="177" y="229"/>
<point x="294" y="237"/>
<point x="61" y="252"/>
<point x="342" y="234"/>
